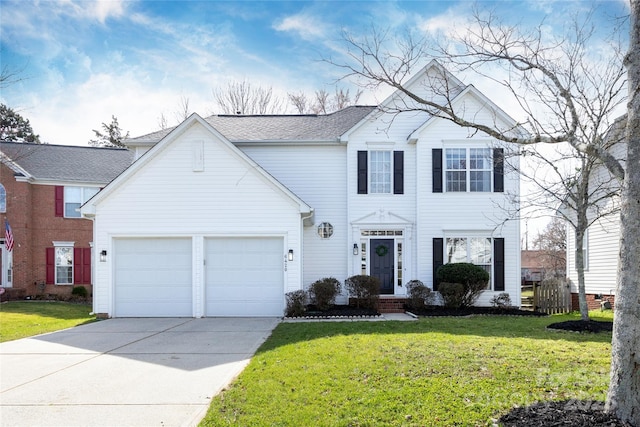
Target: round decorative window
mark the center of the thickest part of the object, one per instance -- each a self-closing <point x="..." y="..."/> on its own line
<point x="325" y="230"/>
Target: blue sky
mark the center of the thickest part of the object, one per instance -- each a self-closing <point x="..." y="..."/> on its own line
<point x="80" y="62"/>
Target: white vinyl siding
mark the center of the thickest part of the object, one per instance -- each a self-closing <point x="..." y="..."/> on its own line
<point x="228" y="198"/>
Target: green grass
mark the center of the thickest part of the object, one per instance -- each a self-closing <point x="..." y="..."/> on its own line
<point x="20" y="319"/>
<point x="433" y="372"/>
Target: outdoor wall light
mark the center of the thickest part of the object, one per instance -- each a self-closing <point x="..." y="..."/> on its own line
<point x="290" y="255"/>
<point x="355" y="249"/>
<point x="103" y="256"/>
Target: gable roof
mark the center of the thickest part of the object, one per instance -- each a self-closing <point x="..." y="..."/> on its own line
<point x="88" y="209"/>
<point x="50" y="163"/>
<point x="294" y="128"/>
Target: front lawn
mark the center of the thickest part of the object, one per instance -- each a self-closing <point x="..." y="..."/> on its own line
<point x="433" y="372"/>
<point x="20" y="319"/>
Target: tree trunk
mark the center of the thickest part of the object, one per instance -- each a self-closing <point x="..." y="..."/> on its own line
<point x="624" y="389"/>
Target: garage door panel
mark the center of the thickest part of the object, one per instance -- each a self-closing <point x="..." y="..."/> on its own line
<point x="244" y="276"/>
<point x="152" y="277"/>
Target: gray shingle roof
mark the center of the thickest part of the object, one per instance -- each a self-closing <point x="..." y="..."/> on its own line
<point x="68" y="163"/>
<point x="308" y="127"/>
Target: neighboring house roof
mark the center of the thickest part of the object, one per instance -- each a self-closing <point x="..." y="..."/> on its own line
<point x="50" y="163"/>
<point x="295" y="128"/>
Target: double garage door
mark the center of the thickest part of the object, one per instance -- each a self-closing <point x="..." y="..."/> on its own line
<point x="154" y="277"/>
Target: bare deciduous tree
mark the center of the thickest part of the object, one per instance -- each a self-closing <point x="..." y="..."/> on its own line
<point x="243" y="98"/>
<point x="552" y="245"/>
<point x="569" y="93"/>
<point x="323" y="102"/>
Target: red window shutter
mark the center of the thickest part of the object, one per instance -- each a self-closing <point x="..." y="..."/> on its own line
<point x="86" y="265"/>
<point x="82" y="266"/>
<point x="77" y="265"/>
<point x="51" y="265"/>
<point x="59" y="191"/>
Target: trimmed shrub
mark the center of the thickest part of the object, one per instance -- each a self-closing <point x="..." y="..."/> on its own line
<point x="502" y="300"/>
<point x="79" y="291"/>
<point x="417" y="294"/>
<point x="296" y="303"/>
<point x="473" y="278"/>
<point x="365" y="290"/>
<point x="452" y="294"/>
<point x="323" y="292"/>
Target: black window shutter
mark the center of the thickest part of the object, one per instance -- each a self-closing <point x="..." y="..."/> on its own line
<point x="498" y="264"/>
<point x="438" y="258"/>
<point x="398" y="172"/>
<point x="362" y="172"/>
<point x="498" y="170"/>
<point x="436" y="155"/>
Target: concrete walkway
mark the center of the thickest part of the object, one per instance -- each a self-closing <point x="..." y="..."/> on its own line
<point x="125" y="372"/>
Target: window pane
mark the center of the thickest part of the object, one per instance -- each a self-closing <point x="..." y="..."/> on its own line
<point x="456" y="250"/>
<point x="456" y="158"/>
<point x="64" y="265"/>
<point x="70" y="210"/>
<point x="73" y="194"/>
<point x="456" y="181"/>
<point x="89" y="193"/>
<point x="380" y="171"/>
<point x="480" y="181"/>
<point x="480" y="250"/>
<point x="3" y="199"/>
<point x="480" y="158"/>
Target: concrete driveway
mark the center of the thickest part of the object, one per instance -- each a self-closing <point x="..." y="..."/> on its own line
<point x="125" y="372"/>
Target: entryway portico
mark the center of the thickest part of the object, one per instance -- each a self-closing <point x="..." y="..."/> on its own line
<point x="383" y="248"/>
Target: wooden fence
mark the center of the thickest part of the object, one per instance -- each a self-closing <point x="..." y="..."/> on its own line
<point x="552" y="296"/>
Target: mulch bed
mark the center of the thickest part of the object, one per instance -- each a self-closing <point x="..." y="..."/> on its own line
<point x="339" y="311"/>
<point x="565" y="413"/>
<point x="470" y="311"/>
<point x="582" y="326"/>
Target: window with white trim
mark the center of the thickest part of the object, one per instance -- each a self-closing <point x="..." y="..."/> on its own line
<point x="468" y="170"/>
<point x="380" y="172"/>
<point x="474" y="250"/>
<point x="325" y="230"/>
<point x="74" y="197"/>
<point x="3" y="199"/>
<point x="63" y="263"/>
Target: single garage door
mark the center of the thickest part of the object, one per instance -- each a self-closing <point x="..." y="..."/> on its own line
<point x="153" y="277"/>
<point x="244" y="276"/>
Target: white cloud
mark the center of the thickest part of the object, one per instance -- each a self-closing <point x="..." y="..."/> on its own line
<point x="304" y="25"/>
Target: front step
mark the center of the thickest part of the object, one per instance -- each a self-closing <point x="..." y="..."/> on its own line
<point x="387" y="304"/>
<point x="391" y="304"/>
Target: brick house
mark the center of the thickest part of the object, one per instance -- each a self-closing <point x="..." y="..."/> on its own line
<point x="41" y="188"/>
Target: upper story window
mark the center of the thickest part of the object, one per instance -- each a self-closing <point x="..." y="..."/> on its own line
<point x="3" y="199"/>
<point x="468" y="170"/>
<point x="381" y="172"/>
<point x="70" y="198"/>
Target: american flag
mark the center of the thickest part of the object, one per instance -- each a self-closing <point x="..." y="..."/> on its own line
<point x="8" y="236"/>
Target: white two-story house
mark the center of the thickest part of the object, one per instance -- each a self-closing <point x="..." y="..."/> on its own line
<point x="223" y="216"/>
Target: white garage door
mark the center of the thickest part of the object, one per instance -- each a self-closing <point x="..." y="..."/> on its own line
<point x="153" y="277"/>
<point x="244" y="277"/>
